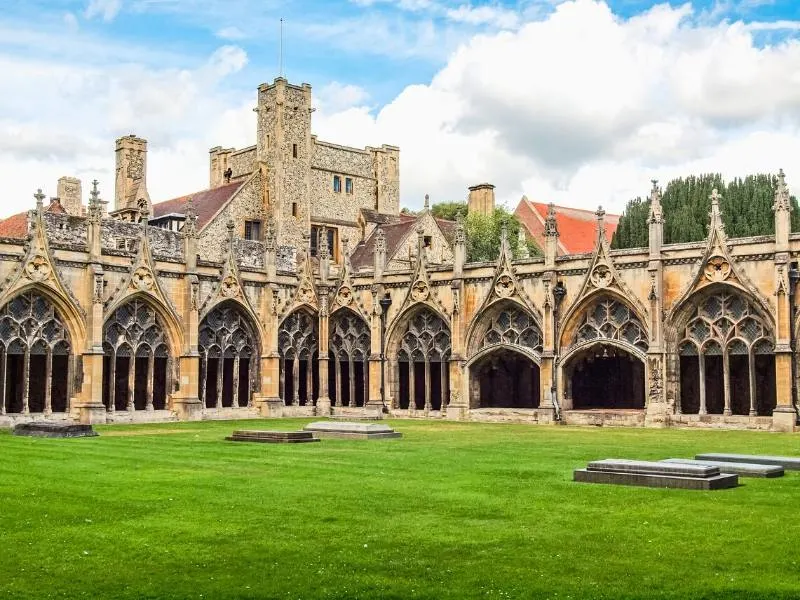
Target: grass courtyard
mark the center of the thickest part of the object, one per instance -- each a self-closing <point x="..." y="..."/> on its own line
<point x="452" y="510"/>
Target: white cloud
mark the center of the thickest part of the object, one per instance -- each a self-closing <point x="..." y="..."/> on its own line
<point x="232" y="33"/>
<point x="484" y="15"/>
<point x="105" y="9"/>
<point x="71" y="22"/>
<point x="336" y="97"/>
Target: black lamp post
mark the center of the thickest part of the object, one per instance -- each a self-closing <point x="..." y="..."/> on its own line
<point x="385" y="303"/>
<point x="559" y="292"/>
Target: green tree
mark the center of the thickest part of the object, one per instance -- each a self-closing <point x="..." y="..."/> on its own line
<point x="484" y="232"/>
<point x="449" y="210"/>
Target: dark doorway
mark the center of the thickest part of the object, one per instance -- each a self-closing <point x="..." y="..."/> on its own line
<point x="607" y="377"/>
<point x="505" y="379"/>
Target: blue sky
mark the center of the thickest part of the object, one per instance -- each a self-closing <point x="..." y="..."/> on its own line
<point x="470" y="91"/>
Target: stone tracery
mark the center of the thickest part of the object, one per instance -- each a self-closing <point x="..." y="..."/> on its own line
<point x="297" y="343"/>
<point x="349" y="349"/>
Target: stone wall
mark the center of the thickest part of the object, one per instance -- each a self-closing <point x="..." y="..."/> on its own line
<point x="439" y="251"/>
<point x="246" y="204"/>
<point x="66" y="231"/>
<point x="242" y="162"/>
<point x="250" y="254"/>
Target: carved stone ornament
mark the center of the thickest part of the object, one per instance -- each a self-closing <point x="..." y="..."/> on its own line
<point x="455" y="397"/>
<point x="38" y="269"/>
<point x="656" y="383"/>
<point x="717" y="268"/>
<point x="305" y="294"/>
<point x="195" y="295"/>
<point x="143" y="279"/>
<point x="98" y="289"/>
<point x="420" y="291"/>
<point x="344" y="296"/>
<point x="504" y="286"/>
<point x="229" y="287"/>
<point x="135" y="166"/>
<point x="602" y="276"/>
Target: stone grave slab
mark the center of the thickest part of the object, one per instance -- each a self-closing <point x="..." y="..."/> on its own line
<point x="49" y="429"/>
<point x="655" y="474"/>
<point x="741" y="469"/>
<point x="272" y="437"/>
<point x="790" y="463"/>
<point x="351" y="430"/>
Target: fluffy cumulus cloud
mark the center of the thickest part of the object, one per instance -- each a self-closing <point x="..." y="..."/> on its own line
<point x="580" y="107"/>
<point x="104" y="9"/>
<point x="584" y="107"/>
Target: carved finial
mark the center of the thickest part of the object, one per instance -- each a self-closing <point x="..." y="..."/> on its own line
<point x="380" y="241"/>
<point x="94" y="195"/>
<point x="420" y="242"/>
<point x="269" y="236"/>
<point x="782" y="198"/>
<point x="345" y="246"/>
<point x="656" y="213"/>
<point x="427" y="201"/>
<point x="522" y="243"/>
<point x="95" y="204"/>
<point x="461" y="231"/>
<point x="39" y="199"/>
<point x="550" y="223"/>
<point x="601" y="224"/>
<point x="190" y="221"/>
<point x="715" y="198"/>
<point x="322" y="244"/>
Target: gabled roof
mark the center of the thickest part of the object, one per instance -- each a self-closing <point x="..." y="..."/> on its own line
<point x="16" y="226"/>
<point x="577" y="228"/>
<point x="206" y="203"/>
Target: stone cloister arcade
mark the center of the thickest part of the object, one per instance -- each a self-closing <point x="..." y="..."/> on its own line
<point x="696" y="334"/>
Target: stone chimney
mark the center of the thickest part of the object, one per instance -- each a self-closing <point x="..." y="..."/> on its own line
<point x="218" y="166"/>
<point x="481" y="199"/>
<point x="131" y="184"/>
<point x="70" y="194"/>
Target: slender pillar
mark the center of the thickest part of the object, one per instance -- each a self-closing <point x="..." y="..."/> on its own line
<point x="443" y="371"/>
<point x="250" y="369"/>
<point x="365" y="381"/>
<point x="296" y="381"/>
<point x="412" y="401"/>
<point x="726" y="382"/>
<point x="310" y="382"/>
<point x="151" y="370"/>
<point x="236" y="382"/>
<point x="427" y="386"/>
<point x="48" y="383"/>
<point x="282" y="384"/>
<point x="351" y="371"/>
<point x="26" y="383"/>
<point x="70" y="381"/>
<point x="131" y="380"/>
<point x="220" y="379"/>
<point x="3" y="364"/>
<point x="203" y="378"/>
<point x="751" y="371"/>
<point x="112" y="383"/>
<point x="702" y="370"/>
<point x="338" y="374"/>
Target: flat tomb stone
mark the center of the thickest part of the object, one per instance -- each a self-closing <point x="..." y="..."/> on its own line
<point x="790" y="463"/>
<point x="49" y="429"/>
<point x="645" y="467"/>
<point x="714" y="482"/>
<point x="741" y="469"/>
<point x="351" y="430"/>
<point x="272" y="437"/>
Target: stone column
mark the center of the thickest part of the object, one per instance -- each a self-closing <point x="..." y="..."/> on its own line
<point x="751" y="372"/>
<point x="296" y="381"/>
<point x="112" y="382"/>
<point x="337" y="367"/>
<point x="443" y="366"/>
<point x="365" y="372"/>
<point x="351" y="372"/>
<point x="412" y="397"/>
<point x="220" y="380"/>
<point x="235" y="401"/>
<point x="48" y="383"/>
<point x="428" y="382"/>
<point x="151" y="364"/>
<point x="26" y="383"/>
<point x="310" y="382"/>
<point x="282" y="389"/>
<point x="132" y="381"/>
<point x="323" y="394"/>
<point x="202" y="384"/>
<point x="3" y="377"/>
<point x="702" y="371"/>
<point x="726" y="382"/>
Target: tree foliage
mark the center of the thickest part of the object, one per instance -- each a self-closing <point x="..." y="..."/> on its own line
<point x="449" y="210"/>
<point x="746" y="207"/>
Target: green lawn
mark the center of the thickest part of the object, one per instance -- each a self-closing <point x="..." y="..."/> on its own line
<point x="450" y="511"/>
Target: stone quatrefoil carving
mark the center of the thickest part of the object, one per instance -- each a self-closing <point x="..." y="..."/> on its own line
<point x="38" y="269"/>
<point x="143" y="279"/>
<point x="305" y="294"/>
<point x="602" y="276"/>
<point x="230" y="287"/>
<point x="420" y="291"/>
<point x="717" y="269"/>
<point x="344" y="296"/>
<point x="504" y="286"/>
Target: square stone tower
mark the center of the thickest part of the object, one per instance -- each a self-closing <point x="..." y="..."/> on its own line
<point x="70" y="194"/>
<point x="131" y="199"/>
<point x="284" y="153"/>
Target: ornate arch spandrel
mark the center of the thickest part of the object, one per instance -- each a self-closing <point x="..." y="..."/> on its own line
<point x="505" y="323"/>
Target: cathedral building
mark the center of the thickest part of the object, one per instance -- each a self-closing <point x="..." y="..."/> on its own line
<point x="293" y="285"/>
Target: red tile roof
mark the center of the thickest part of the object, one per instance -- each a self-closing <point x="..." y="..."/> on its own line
<point x="577" y="228"/>
<point x="16" y="226"/>
<point x="206" y="203"/>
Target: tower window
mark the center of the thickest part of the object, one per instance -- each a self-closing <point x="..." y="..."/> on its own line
<point x="332" y="234"/>
<point x="427" y="240"/>
<point x="337" y="184"/>
<point x="348" y="185"/>
<point x="294" y="150"/>
<point x="252" y="230"/>
<point x="294" y="209"/>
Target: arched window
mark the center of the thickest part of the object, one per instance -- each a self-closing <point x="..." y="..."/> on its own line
<point x="610" y="319"/>
<point x="35" y="357"/>
<point x="515" y="327"/>
<point x="349" y="349"/>
<point x="297" y="344"/>
<point x="423" y="354"/>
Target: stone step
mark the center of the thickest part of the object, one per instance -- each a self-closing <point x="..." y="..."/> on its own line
<point x="645" y="467"/>
<point x="790" y="463"/>
<point x="741" y="469"/>
<point x="351" y="430"/>
<point x="54" y="430"/>
<point x="715" y="482"/>
<point x="272" y="437"/>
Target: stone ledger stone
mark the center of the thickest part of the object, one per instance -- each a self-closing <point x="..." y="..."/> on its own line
<point x="350" y="430"/>
<point x="655" y="474"/>
<point x="741" y="469"/>
<point x="272" y="437"/>
<point x="54" y="430"/>
<point x="790" y="463"/>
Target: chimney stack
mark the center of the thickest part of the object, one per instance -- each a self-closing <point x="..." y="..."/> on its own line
<point x="70" y="194"/>
<point x="481" y="199"/>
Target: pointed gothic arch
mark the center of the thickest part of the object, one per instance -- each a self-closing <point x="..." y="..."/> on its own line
<point x="137" y="366"/>
<point x="349" y="347"/>
<point x="298" y="343"/>
<point x="36" y="355"/>
<point x="725" y="347"/>
<point x="420" y="345"/>
<point x="229" y="348"/>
